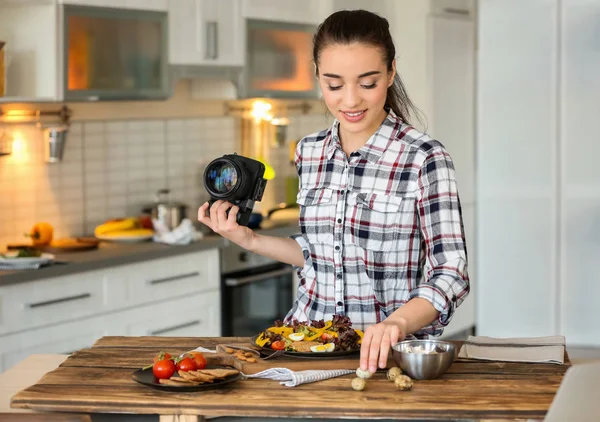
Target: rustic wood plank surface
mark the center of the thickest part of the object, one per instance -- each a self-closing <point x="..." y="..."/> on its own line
<point x="43" y="417"/>
<point x="99" y="380"/>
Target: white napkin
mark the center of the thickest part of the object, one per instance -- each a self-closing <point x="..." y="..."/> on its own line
<point x="183" y="234"/>
<point x="291" y="378"/>
<point x="549" y="349"/>
<point x="288" y="377"/>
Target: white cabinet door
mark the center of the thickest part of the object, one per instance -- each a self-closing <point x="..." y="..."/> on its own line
<point x="59" y="339"/>
<point x="32" y="71"/>
<point x="40" y="303"/>
<point x="197" y="315"/>
<point x="580" y="182"/>
<point x="206" y="32"/>
<point x="516" y="168"/>
<point x="306" y="11"/>
<point x="452" y="82"/>
<point x="124" y="4"/>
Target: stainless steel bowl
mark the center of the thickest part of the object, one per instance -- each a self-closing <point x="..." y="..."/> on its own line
<point x="424" y="359"/>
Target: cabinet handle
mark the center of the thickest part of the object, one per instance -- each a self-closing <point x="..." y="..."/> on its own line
<point x="235" y="282"/>
<point x="174" y="278"/>
<point x="212" y="40"/>
<point x="216" y="40"/>
<point x="453" y="11"/>
<point x="61" y="300"/>
<point x="175" y="327"/>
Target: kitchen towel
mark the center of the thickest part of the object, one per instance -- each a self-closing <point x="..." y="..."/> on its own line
<point x="291" y="378"/>
<point x="183" y="234"/>
<point x="288" y="377"/>
<point x="549" y="349"/>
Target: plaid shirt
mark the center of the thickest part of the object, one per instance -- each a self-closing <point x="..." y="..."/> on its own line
<point x="379" y="227"/>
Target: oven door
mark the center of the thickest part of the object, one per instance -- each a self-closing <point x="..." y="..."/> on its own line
<point x="253" y="299"/>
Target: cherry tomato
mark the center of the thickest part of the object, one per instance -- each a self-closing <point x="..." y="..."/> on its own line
<point x="163" y="369"/>
<point x="199" y="359"/>
<point x="186" y="364"/>
<point x="161" y="356"/>
<point x="326" y="337"/>
<point x="278" y="345"/>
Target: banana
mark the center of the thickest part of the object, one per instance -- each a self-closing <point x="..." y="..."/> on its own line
<point x="127" y="233"/>
<point x="116" y="225"/>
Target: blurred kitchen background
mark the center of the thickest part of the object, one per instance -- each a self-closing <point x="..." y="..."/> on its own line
<point x="105" y="102"/>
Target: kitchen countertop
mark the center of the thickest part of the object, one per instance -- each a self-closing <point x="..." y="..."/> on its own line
<point x="111" y="254"/>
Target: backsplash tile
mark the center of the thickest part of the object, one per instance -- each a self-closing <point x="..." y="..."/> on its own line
<point x="111" y="169"/>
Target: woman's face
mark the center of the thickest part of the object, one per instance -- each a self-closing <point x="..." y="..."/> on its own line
<point x="354" y="81"/>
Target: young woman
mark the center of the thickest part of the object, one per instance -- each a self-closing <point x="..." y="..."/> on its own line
<point x="382" y="238"/>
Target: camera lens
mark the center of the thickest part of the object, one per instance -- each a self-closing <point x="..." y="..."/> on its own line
<point x="222" y="177"/>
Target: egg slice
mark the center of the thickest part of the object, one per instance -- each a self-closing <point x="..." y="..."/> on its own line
<point x="322" y="348"/>
<point x="296" y="336"/>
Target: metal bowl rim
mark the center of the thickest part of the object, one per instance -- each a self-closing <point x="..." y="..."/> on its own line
<point x="451" y="346"/>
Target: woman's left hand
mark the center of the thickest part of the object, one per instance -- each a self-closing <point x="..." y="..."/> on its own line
<point x="376" y="344"/>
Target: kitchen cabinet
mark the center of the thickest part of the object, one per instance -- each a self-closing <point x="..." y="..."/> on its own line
<point x="66" y="51"/>
<point x="307" y="11"/>
<point x="123" y="4"/>
<point x="517" y="172"/>
<point x="539" y="196"/>
<point x="206" y="32"/>
<point x="579" y="206"/>
<point x="178" y="295"/>
<point x="452" y="121"/>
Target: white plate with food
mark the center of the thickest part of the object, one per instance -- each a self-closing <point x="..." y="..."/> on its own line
<point x="124" y="238"/>
<point x="17" y="258"/>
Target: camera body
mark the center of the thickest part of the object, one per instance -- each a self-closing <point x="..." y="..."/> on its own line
<point x="236" y="179"/>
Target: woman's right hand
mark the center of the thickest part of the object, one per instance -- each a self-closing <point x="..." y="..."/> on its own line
<point x="225" y="224"/>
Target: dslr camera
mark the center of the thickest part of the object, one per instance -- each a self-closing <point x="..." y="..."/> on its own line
<point x="238" y="180"/>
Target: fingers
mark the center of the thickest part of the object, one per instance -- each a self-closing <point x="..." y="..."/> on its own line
<point x="202" y="217"/>
<point x="365" y="348"/>
<point x="232" y="218"/>
<point x="390" y="338"/>
<point x="374" y="350"/>
<point x="376" y="344"/>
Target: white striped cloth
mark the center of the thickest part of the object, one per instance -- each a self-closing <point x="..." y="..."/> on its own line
<point x="291" y="378"/>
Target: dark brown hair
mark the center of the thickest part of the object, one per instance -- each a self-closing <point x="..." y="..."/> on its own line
<point x="350" y="26"/>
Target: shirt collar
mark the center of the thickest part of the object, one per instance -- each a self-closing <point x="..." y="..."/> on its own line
<point x="375" y="145"/>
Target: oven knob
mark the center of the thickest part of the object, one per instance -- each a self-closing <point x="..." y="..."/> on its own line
<point x="243" y="257"/>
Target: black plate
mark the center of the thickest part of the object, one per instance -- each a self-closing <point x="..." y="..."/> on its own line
<point x="146" y="377"/>
<point x="318" y="355"/>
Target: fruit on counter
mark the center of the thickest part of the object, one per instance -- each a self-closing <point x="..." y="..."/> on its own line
<point x="146" y="222"/>
<point x="41" y="234"/>
<point x="120" y="224"/>
<point x="131" y="233"/>
<point x="130" y="226"/>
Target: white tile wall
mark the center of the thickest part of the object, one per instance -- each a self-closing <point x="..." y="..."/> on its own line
<point x="111" y="169"/>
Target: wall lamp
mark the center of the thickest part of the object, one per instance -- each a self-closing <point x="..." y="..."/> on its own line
<point x="55" y="135"/>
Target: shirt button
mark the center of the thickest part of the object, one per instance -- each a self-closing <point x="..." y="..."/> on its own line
<point x="340" y="303"/>
<point x="337" y="248"/>
<point x="342" y="192"/>
<point x="339" y="220"/>
<point x="339" y="276"/>
<point x="303" y="282"/>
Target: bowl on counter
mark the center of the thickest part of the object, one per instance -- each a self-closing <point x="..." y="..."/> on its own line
<point x="424" y="359"/>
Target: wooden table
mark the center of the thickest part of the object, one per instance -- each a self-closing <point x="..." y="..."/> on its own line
<point x="98" y="380"/>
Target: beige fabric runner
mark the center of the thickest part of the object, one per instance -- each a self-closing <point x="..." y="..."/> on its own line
<point x="549" y="349"/>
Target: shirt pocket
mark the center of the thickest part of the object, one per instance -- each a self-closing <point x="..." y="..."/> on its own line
<point x="317" y="214"/>
<point x="375" y="221"/>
